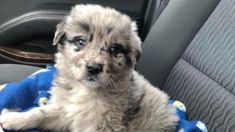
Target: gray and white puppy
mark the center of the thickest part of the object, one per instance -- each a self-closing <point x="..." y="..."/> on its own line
<point x="97" y="88"/>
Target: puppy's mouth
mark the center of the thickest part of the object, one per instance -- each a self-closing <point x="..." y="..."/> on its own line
<point x="93" y="78"/>
<point x="91" y="81"/>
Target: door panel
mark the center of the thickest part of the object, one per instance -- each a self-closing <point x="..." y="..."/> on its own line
<point x="27" y="26"/>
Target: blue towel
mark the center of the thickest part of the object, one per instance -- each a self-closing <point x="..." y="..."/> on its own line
<point x="33" y="91"/>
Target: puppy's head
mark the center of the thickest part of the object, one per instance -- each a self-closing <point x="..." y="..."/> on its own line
<point x="96" y="45"/>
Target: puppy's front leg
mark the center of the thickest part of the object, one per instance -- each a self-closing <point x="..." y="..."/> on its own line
<point x="34" y="118"/>
<point x="1" y="129"/>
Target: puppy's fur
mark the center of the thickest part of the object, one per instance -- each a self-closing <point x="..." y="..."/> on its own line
<point x="97" y="88"/>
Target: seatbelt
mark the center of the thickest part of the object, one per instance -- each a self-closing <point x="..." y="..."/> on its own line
<point x="162" y="6"/>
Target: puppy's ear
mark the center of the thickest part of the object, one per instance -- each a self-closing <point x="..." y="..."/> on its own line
<point x="135" y="57"/>
<point x="59" y="34"/>
<point x="137" y="44"/>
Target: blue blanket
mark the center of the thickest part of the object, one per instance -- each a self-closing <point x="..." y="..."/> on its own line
<point x="33" y="91"/>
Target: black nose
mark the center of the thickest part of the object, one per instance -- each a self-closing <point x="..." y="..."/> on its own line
<point x="94" y="68"/>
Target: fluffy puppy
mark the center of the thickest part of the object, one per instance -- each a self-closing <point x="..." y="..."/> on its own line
<point x="97" y="88"/>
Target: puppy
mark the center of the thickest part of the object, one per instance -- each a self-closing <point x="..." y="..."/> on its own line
<point x="97" y="88"/>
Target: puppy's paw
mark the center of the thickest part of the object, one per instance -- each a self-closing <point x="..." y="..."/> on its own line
<point x="1" y="130"/>
<point x="14" y="121"/>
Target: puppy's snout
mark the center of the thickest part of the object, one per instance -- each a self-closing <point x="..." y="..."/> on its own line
<point x="94" y="68"/>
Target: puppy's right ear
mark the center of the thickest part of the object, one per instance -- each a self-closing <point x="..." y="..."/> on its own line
<point x="59" y="34"/>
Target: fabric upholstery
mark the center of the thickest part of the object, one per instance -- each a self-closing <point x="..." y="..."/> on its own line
<point x="15" y="72"/>
<point x="204" y="77"/>
<point x="170" y="35"/>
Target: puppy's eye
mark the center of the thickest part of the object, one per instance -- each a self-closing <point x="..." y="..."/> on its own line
<point x="116" y="49"/>
<point x="78" y="41"/>
<point x="81" y="42"/>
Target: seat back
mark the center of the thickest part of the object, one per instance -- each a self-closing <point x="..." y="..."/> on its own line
<point x="204" y="76"/>
<point x="170" y="35"/>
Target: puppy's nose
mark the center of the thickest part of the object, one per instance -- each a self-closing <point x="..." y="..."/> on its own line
<point x="94" y="68"/>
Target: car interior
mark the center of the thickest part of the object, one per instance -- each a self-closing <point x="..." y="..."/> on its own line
<point x="188" y="48"/>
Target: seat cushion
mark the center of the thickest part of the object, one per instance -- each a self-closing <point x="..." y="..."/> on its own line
<point x="170" y="35"/>
<point x="15" y="72"/>
<point x="204" y="77"/>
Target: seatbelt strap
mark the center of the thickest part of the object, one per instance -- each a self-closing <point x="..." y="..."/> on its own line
<point x="162" y="6"/>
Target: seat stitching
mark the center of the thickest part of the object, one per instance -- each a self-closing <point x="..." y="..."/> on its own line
<point x="208" y="76"/>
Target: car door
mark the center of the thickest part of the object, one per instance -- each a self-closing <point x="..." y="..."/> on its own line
<point x="27" y="26"/>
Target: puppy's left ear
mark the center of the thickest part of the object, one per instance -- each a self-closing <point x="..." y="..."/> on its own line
<point x="59" y="34"/>
<point x="137" y="44"/>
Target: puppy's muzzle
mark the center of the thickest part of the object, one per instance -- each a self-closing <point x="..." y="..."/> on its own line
<point x="94" y="68"/>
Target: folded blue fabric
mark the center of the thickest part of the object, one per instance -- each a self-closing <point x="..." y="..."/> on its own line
<point x="34" y="91"/>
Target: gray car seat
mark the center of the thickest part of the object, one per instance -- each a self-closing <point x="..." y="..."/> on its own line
<point x="189" y="53"/>
<point x="15" y="72"/>
<point x="203" y="75"/>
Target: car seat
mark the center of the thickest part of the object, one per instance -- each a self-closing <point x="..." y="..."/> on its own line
<point x="189" y="53"/>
